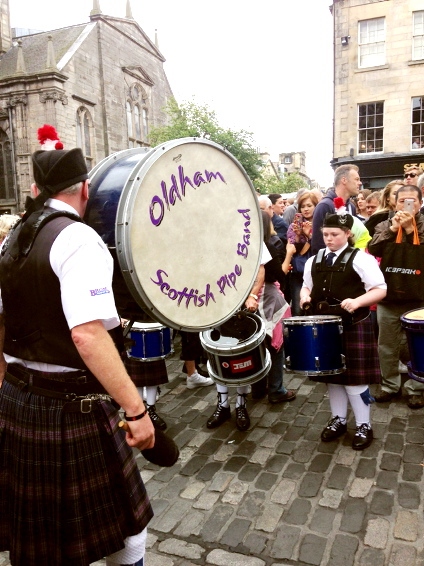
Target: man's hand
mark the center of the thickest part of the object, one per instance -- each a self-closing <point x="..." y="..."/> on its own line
<point x="141" y="434"/>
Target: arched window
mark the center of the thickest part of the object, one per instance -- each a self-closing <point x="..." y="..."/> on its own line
<point x="84" y="135"/>
<point x="137" y="117"/>
<point x="6" y="169"/>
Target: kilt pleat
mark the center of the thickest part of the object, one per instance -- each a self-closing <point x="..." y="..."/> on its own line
<point x="361" y="356"/>
<point x="146" y="374"/>
<point x="70" y="488"/>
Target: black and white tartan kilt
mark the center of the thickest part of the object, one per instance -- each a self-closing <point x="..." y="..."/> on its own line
<point x="70" y="489"/>
<point x="146" y="374"/>
<point x="361" y="356"/>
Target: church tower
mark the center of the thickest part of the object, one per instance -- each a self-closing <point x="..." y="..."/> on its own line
<point x="5" y="31"/>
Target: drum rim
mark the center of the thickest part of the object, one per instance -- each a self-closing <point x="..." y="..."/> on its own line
<point x="123" y="237"/>
<point x="412" y="320"/>
<point x="154" y="326"/>
<point x="311" y="320"/>
<point x="252" y="342"/>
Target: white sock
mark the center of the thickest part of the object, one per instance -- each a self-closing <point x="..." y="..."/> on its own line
<point x="240" y="401"/>
<point x="151" y="391"/>
<point x="338" y="401"/>
<point x="360" y="409"/>
<point x="223" y="399"/>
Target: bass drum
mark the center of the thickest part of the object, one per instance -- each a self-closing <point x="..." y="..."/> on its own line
<point x="183" y="224"/>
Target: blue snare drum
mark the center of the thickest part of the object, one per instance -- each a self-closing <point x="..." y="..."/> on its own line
<point x="413" y="324"/>
<point x="150" y="341"/>
<point x="313" y="345"/>
<point x="236" y="351"/>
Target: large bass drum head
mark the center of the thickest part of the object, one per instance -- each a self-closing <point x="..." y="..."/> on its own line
<point x="189" y="234"/>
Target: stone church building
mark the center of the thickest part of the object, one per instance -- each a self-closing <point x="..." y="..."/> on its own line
<point x="101" y="84"/>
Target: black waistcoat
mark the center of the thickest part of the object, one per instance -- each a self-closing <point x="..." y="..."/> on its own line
<point x="35" y="325"/>
<point x="336" y="283"/>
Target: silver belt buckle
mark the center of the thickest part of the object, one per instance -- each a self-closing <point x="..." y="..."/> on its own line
<point x="86" y="405"/>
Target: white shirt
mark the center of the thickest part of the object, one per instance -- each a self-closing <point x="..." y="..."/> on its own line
<point x="84" y="267"/>
<point x="365" y="265"/>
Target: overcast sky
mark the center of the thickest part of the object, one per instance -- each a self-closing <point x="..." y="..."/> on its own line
<point x="265" y="67"/>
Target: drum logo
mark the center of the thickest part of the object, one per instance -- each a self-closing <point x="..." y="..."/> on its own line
<point x="241" y="364"/>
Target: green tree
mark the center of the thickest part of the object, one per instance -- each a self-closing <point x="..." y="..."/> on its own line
<point x="292" y="182"/>
<point x="190" y="120"/>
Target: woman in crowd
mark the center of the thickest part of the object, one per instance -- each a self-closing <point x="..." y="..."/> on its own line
<point x="351" y="279"/>
<point x="299" y="234"/>
<point x="361" y="206"/>
<point x="386" y="207"/>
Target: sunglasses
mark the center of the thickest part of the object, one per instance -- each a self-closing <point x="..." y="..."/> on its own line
<point x="412" y="175"/>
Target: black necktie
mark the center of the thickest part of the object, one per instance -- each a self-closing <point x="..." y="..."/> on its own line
<point x="329" y="259"/>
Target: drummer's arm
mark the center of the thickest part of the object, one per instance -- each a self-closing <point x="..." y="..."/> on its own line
<point x="252" y="303"/>
<point x="371" y="297"/>
<point x="305" y="296"/>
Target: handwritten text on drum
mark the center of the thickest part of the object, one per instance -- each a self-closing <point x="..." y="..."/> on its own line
<point x="224" y="282"/>
<point x="177" y="190"/>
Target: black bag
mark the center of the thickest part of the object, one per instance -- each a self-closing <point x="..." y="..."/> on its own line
<point x="403" y="269"/>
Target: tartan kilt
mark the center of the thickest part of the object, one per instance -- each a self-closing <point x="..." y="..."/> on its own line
<point x="361" y="356"/>
<point x="146" y="374"/>
<point x="70" y="489"/>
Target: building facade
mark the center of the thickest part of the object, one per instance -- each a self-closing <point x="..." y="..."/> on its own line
<point x="101" y="84"/>
<point x="378" y="87"/>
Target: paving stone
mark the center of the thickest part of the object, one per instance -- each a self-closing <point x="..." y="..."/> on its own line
<point x="277" y="463"/>
<point x="412" y="472"/>
<point x="346" y="456"/>
<point x="209" y="447"/>
<point x="209" y="471"/>
<point x="310" y="485"/>
<point x="331" y="498"/>
<point x="323" y="520"/>
<point x="409" y="495"/>
<point x="372" y="557"/>
<point x="322" y="418"/>
<point x="294" y="433"/>
<point x="181" y="548"/>
<point x="156" y="560"/>
<point x="191" y="524"/>
<point x="406" y="526"/>
<point x="403" y="555"/>
<point x="294" y="471"/>
<point x="270" y="440"/>
<point x="415" y="436"/>
<point x="312" y="549"/>
<point x="175" y="512"/>
<point x="235" y="532"/>
<point x="343" y="551"/>
<point x="206" y="501"/>
<point x="328" y="447"/>
<point x="279" y="428"/>
<point x="416" y="420"/>
<point x="339" y="477"/>
<point x="235" y="492"/>
<point x="377" y="533"/>
<point x="224" y="453"/>
<point x="397" y="425"/>
<point x="313" y="433"/>
<point x="235" y="464"/>
<point x="174" y="487"/>
<point x="249" y="472"/>
<point x="246" y="448"/>
<point x="221" y="481"/>
<point x="387" y="480"/>
<point x="391" y="462"/>
<point x="285" y="447"/>
<point x="218" y="518"/>
<point x="360" y="487"/>
<point x="382" y="503"/>
<point x="413" y="454"/>
<point x="266" y="481"/>
<point x="194" y="465"/>
<point x="260" y="456"/>
<point x="269" y="519"/>
<point x="353" y="516"/>
<point x="219" y="557"/>
<point x="283" y="491"/>
<point x="285" y="542"/>
<point x="394" y="443"/>
<point x="251" y="505"/>
<point x="366" y="468"/>
<point x="297" y="514"/>
<point x="320" y="463"/>
<point x="256" y="543"/>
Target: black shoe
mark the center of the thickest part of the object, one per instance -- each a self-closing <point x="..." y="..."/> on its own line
<point x="242" y="418"/>
<point x="157" y="421"/>
<point x="220" y="415"/>
<point x="363" y="437"/>
<point x="387" y="396"/>
<point x="333" y="430"/>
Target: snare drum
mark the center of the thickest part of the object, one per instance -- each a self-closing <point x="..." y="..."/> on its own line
<point x="236" y="350"/>
<point x="150" y="341"/>
<point x="413" y="324"/>
<point x="313" y="345"/>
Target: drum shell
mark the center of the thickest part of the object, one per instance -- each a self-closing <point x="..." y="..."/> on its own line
<point x="313" y="345"/>
<point x="414" y="330"/>
<point x="238" y="364"/>
<point x="151" y="342"/>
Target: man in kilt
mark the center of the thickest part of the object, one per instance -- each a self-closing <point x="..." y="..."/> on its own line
<point x="344" y="281"/>
<point x="70" y="488"/>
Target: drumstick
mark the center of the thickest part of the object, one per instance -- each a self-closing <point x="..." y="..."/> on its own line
<point x="164" y="452"/>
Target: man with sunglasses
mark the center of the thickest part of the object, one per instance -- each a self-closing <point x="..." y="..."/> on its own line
<point x="411" y="175"/>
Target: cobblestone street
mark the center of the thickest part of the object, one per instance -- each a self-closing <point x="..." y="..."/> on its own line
<point x="277" y="495"/>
